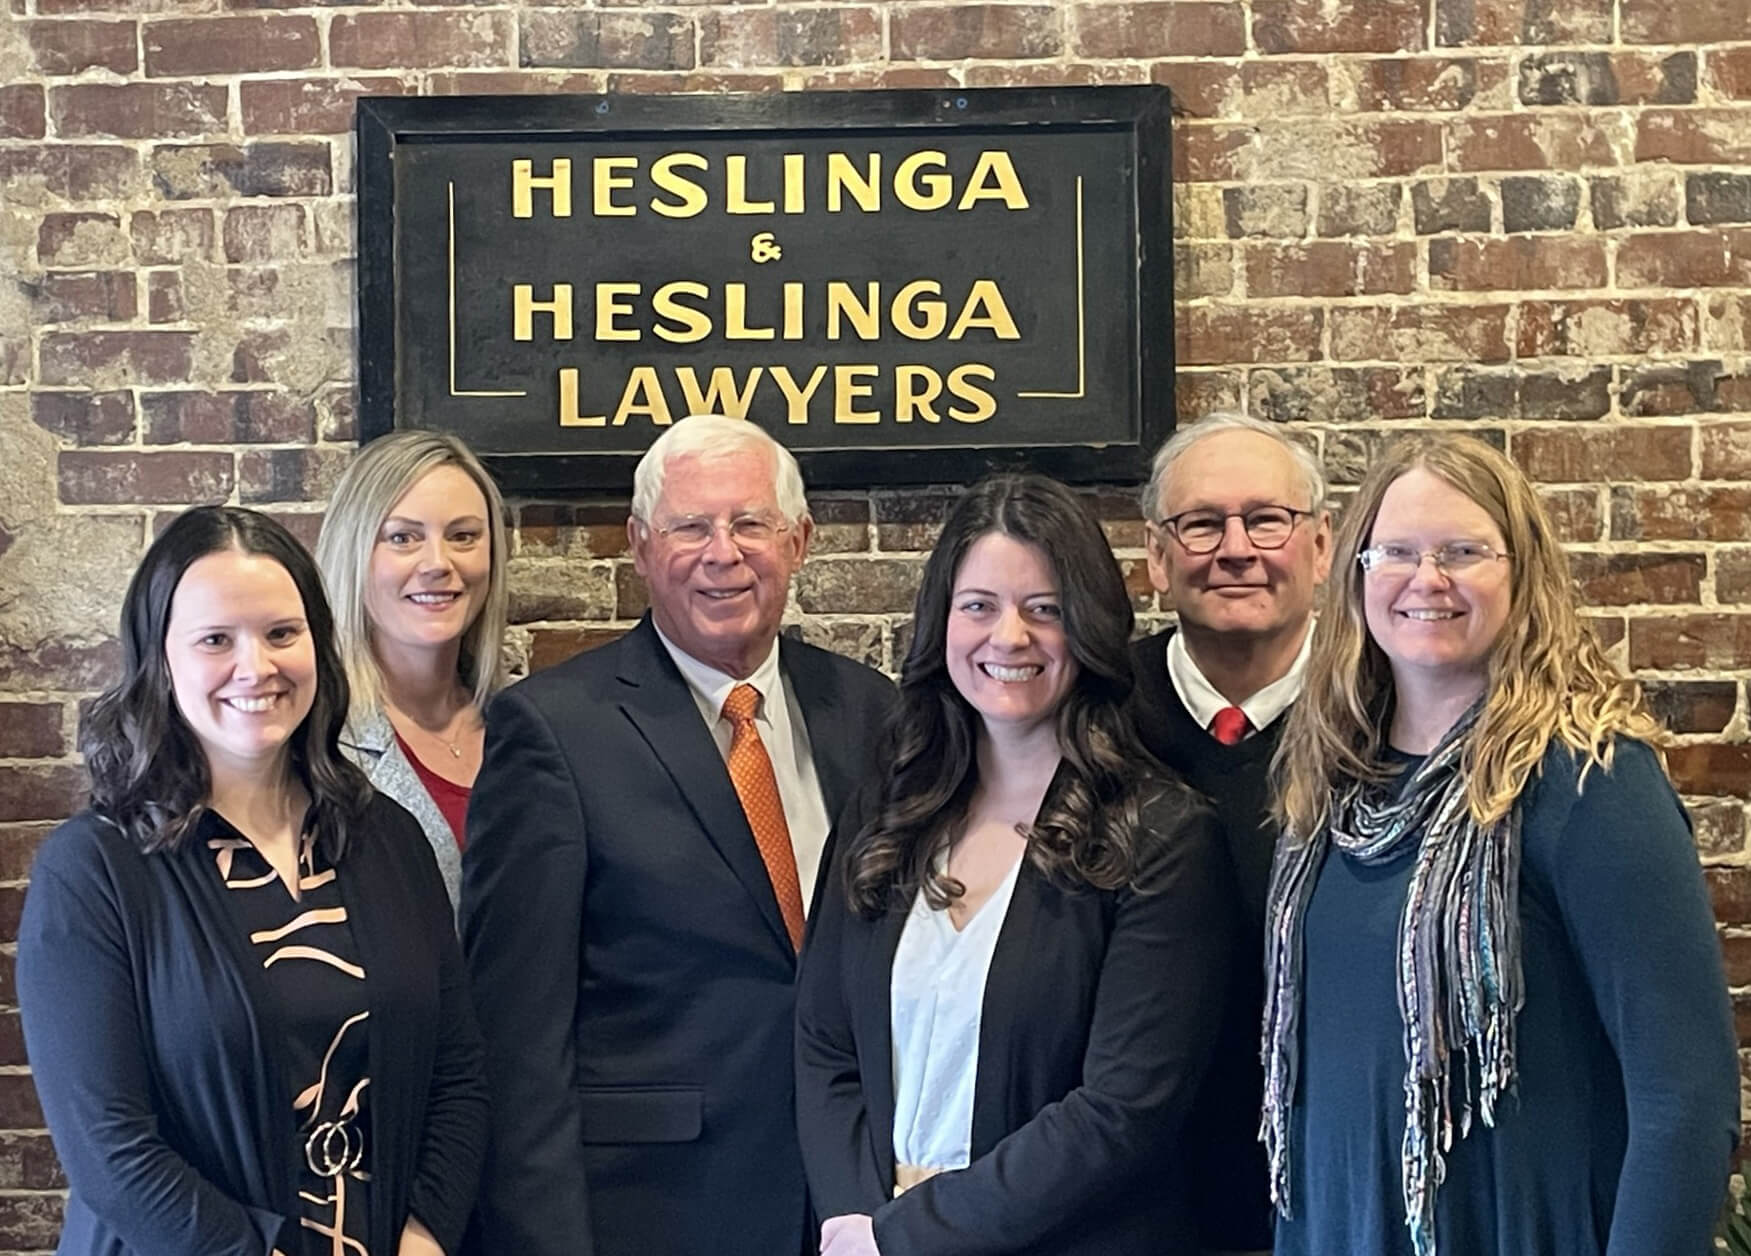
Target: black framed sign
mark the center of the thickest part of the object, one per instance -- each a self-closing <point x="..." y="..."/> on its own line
<point x="903" y="287"/>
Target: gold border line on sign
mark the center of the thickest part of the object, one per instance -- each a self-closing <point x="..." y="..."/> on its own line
<point x="1081" y="328"/>
<point x="454" y="391"/>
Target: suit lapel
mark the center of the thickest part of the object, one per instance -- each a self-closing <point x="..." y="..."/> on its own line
<point x="661" y="706"/>
<point x="875" y="1036"/>
<point x="831" y="734"/>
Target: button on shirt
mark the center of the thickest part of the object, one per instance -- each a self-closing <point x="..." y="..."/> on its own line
<point x="1203" y="700"/>
<point x="786" y="738"/>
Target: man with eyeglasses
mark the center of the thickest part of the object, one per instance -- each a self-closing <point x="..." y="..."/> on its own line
<point x="1239" y="539"/>
<point x="646" y="831"/>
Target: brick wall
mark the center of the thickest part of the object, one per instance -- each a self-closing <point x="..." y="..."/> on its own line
<point x="1525" y="218"/>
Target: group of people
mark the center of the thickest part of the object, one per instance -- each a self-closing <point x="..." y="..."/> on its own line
<point x="1353" y="916"/>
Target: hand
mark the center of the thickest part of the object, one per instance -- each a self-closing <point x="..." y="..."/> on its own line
<point x="850" y="1235"/>
<point x="416" y="1240"/>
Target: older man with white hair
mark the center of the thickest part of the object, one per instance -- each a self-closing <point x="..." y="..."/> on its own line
<point x="1240" y="540"/>
<point x="645" y="834"/>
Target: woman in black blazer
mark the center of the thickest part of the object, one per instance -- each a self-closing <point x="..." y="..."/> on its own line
<point x="1011" y="986"/>
<point x="242" y="997"/>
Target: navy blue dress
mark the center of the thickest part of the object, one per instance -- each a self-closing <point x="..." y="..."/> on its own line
<point x="1627" y="1107"/>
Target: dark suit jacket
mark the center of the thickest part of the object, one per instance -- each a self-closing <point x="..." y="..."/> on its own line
<point x="634" y="978"/>
<point x="161" y="1081"/>
<point x="1099" y="1017"/>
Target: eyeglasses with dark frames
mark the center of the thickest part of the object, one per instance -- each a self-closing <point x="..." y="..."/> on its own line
<point x="1201" y="531"/>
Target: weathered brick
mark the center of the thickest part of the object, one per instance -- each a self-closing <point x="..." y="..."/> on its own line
<point x="1425" y="332"/>
<point x="1605" y="328"/>
<point x="1198" y="393"/>
<point x="1203" y="270"/>
<point x="1729" y="890"/>
<point x="1253" y="89"/>
<point x="81" y="239"/>
<point x="559" y="589"/>
<point x="1720" y="825"/>
<point x="1685" y="259"/>
<point x="1693" y="706"/>
<point x="1282" y="26"/>
<point x="1689" y="22"/>
<point x="67" y="47"/>
<point x="1680" y="514"/>
<point x="1487" y="263"/>
<point x="263" y="233"/>
<point x="1277" y="211"/>
<point x="1220" y="334"/>
<point x="551" y="646"/>
<point x="289" y="475"/>
<point x="945" y="32"/>
<point x="1474" y="392"/>
<point x="1713" y="769"/>
<point x="1326" y="394"/>
<point x="1539" y="203"/>
<point x="22" y="112"/>
<point x="112" y="358"/>
<point x="1574" y="513"/>
<point x="611" y="39"/>
<point x="164" y="297"/>
<point x="171" y="236"/>
<point x="1583" y="393"/>
<point x="1635" y="579"/>
<point x="1366" y="210"/>
<point x="138" y="111"/>
<point x="269" y="168"/>
<point x="1449" y="205"/>
<point x="1732" y="575"/>
<point x="1726" y="451"/>
<point x="1726" y="322"/>
<point x="48" y="791"/>
<point x="307" y="106"/>
<point x="631" y="598"/>
<point x="106" y="296"/>
<point x="59" y="663"/>
<point x="1594" y="452"/>
<point x="1530" y="142"/>
<point x="1717" y="196"/>
<point x="1713" y="642"/>
<point x="231" y="45"/>
<point x="1638" y="198"/>
<point x="1531" y="22"/>
<point x="85" y="418"/>
<point x="1729" y="72"/>
<point x="858" y="586"/>
<point x="575" y="531"/>
<point x="1693" y="137"/>
<point x="410" y="40"/>
<point x="227" y="418"/>
<point x="104" y="477"/>
<point x="1684" y="388"/>
<point x="738" y="38"/>
<point x="1421" y="84"/>
<point x="1601" y="78"/>
<point x="31" y="730"/>
<point x="1171" y="29"/>
<point x="1330" y="268"/>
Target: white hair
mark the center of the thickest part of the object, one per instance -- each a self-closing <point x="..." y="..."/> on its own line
<point x="1312" y="474"/>
<point x="711" y="436"/>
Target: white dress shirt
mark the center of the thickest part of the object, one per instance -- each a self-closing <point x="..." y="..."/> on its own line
<point x="936" y="1000"/>
<point x="786" y="738"/>
<point x="1203" y="700"/>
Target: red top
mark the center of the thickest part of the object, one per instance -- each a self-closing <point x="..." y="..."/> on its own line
<point x="452" y="799"/>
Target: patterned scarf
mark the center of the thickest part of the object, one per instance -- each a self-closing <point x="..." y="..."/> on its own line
<point x="1459" y="979"/>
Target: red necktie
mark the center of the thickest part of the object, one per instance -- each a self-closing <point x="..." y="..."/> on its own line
<point x="757" y="787"/>
<point x="1230" y="725"/>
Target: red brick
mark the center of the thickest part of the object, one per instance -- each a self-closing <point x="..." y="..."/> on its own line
<point x="743" y="38"/>
<point x="1368" y="210"/>
<point x="1602" y="78"/>
<point x="263" y="233"/>
<point x="549" y="646"/>
<point x="81" y="239"/>
<point x="31" y="730"/>
<point x="171" y="235"/>
<point x="1683" y="21"/>
<point x="1574" y="513"/>
<point x="164" y="298"/>
<point x="1347" y="26"/>
<point x="1685" y="259"/>
<point x="1427" y="333"/>
<point x="1528" y="262"/>
<point x="307" y="106"/>
<point x="1599" y="452"/>
<point x="91" y="478"/>
<point x="99" y="357"/>
<point x="1605" y="328"/>
<point x="376" y="41"/>
<point x="231" y="45"/>
<point x="1736" y="952"/>
<point x="1433" y="84"/>
<point x="85" y="418"/>
<point x="1680" y="514"/>
<point x="41" y="791"/>
<point x="1693" y="706"/>
<point x="71" y="172"/>
<point x="1732" y="575"/>
<point x="1720" y="826"/>
<point x="1636" y="579"/>
<point x="60" y="664"/>
<point x="289" y="475"/>
<point x="227" y="418"/>
<point x="1203" y="270"/>
<point x="1685" y="642"/>
<point x="1529" y="22"/>
<point x="266" y="168"/>
<point x="1200" y="393"/>
<point x="1729" y="890"/>
<point x="612" y="40"/>
<point x="1171" y="29"/>
<point x="1529" y="142"/>
<point x="21" y="112"/>
<point x="1330" y="268"/>
<point x="1693" y="137"/>
<point x="494" y="83"/>
<point x="1008" y="32"/>
<point x="76" y="296"/>
<point x="74" y="46"/>
<point x="1344" y="395"/>
<point x="1684" y="388"/>
<point x="1726" y="451"/>
<point x="138" y="111"/>
<point x="1729" y="72"/>
<point x="1713" y="769"/>
<point x="1220" y="334"/>
<point x="577" y="531"/>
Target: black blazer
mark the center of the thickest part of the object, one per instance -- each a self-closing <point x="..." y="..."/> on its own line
<point x="164" y="1090"/>
<point x="633" y="975"/>
<point x="1099" y="1017"/>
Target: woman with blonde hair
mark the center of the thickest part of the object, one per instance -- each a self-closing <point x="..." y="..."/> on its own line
<point x="1496" y="1019"/>
<point x="413" y="552"/>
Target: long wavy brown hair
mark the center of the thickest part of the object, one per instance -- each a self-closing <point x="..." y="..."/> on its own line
<point x="1089" y="833"/>
<point x="1548" y="676"/>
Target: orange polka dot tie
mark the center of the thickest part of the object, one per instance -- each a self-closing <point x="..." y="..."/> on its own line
<point x="757" y="787"/>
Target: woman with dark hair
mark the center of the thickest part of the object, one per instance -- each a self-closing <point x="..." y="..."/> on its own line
<point x="1011" y="987"/>
<point x="242" y="997"/>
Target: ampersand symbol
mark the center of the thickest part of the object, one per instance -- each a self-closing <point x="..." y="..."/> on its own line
<point x="763" y="248"/>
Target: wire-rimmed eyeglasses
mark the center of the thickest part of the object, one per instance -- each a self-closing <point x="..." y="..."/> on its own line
<point x="1402" y="560"/>
<point x="1201" y="531"/>
<point x="752" y="534"/>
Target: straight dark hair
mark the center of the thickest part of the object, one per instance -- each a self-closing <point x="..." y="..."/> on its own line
<point x="149" y="773"/>
<point x="1090" y="832"/>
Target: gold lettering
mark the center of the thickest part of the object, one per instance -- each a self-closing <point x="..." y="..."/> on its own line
<point x="722" y="395"/>
<point x="984" y="404"/>
<point x="690" y="198"/>
<point x="736" y="315"/>
<point x="609" y="308"/>
<point x="994" y="164"/>
<point x="524" y="181"/>
<point x="524" y="307"/>
<point x="843" y="177"/>
<point x="797" y="398"/>
<point x="604" y="179"/>
<point x="793" y="310"/>
<point x="987" y="296"/>
<point x="936" y="189"/>
<point x="736" y="188"/>
<point x="847" y="388"/>
<point x="793" y="183"/>
<point x="915" y="387"/>
<point x="842" y="302"/>
<point x="568" y="402"/>
<point x="695" y="324"/>
<point x="643" y="382"/>
<point x="903" y="315"/>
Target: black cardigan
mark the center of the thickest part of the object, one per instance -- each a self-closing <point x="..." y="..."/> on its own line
<point x="164" y="1091"/>
<point x="1100" y="1014"/>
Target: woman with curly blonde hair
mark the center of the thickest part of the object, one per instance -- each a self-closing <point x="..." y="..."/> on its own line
<point x="1496" y="1019"/>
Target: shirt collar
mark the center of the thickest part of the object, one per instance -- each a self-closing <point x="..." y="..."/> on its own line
<point x="711" y="687"/>
<point x="1203" y="700"/>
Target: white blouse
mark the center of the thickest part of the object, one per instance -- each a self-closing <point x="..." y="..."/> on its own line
<point x="936" y="999"/>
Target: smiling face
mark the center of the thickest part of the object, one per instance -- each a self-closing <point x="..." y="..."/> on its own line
<point x="1238" y="587"/>
<point x="241" y="658"/>
<point x="1007" y="651"/>
<point x="1436" y="628"/>
<point x="722" y="602"/>
<point x="430" y="564"/>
